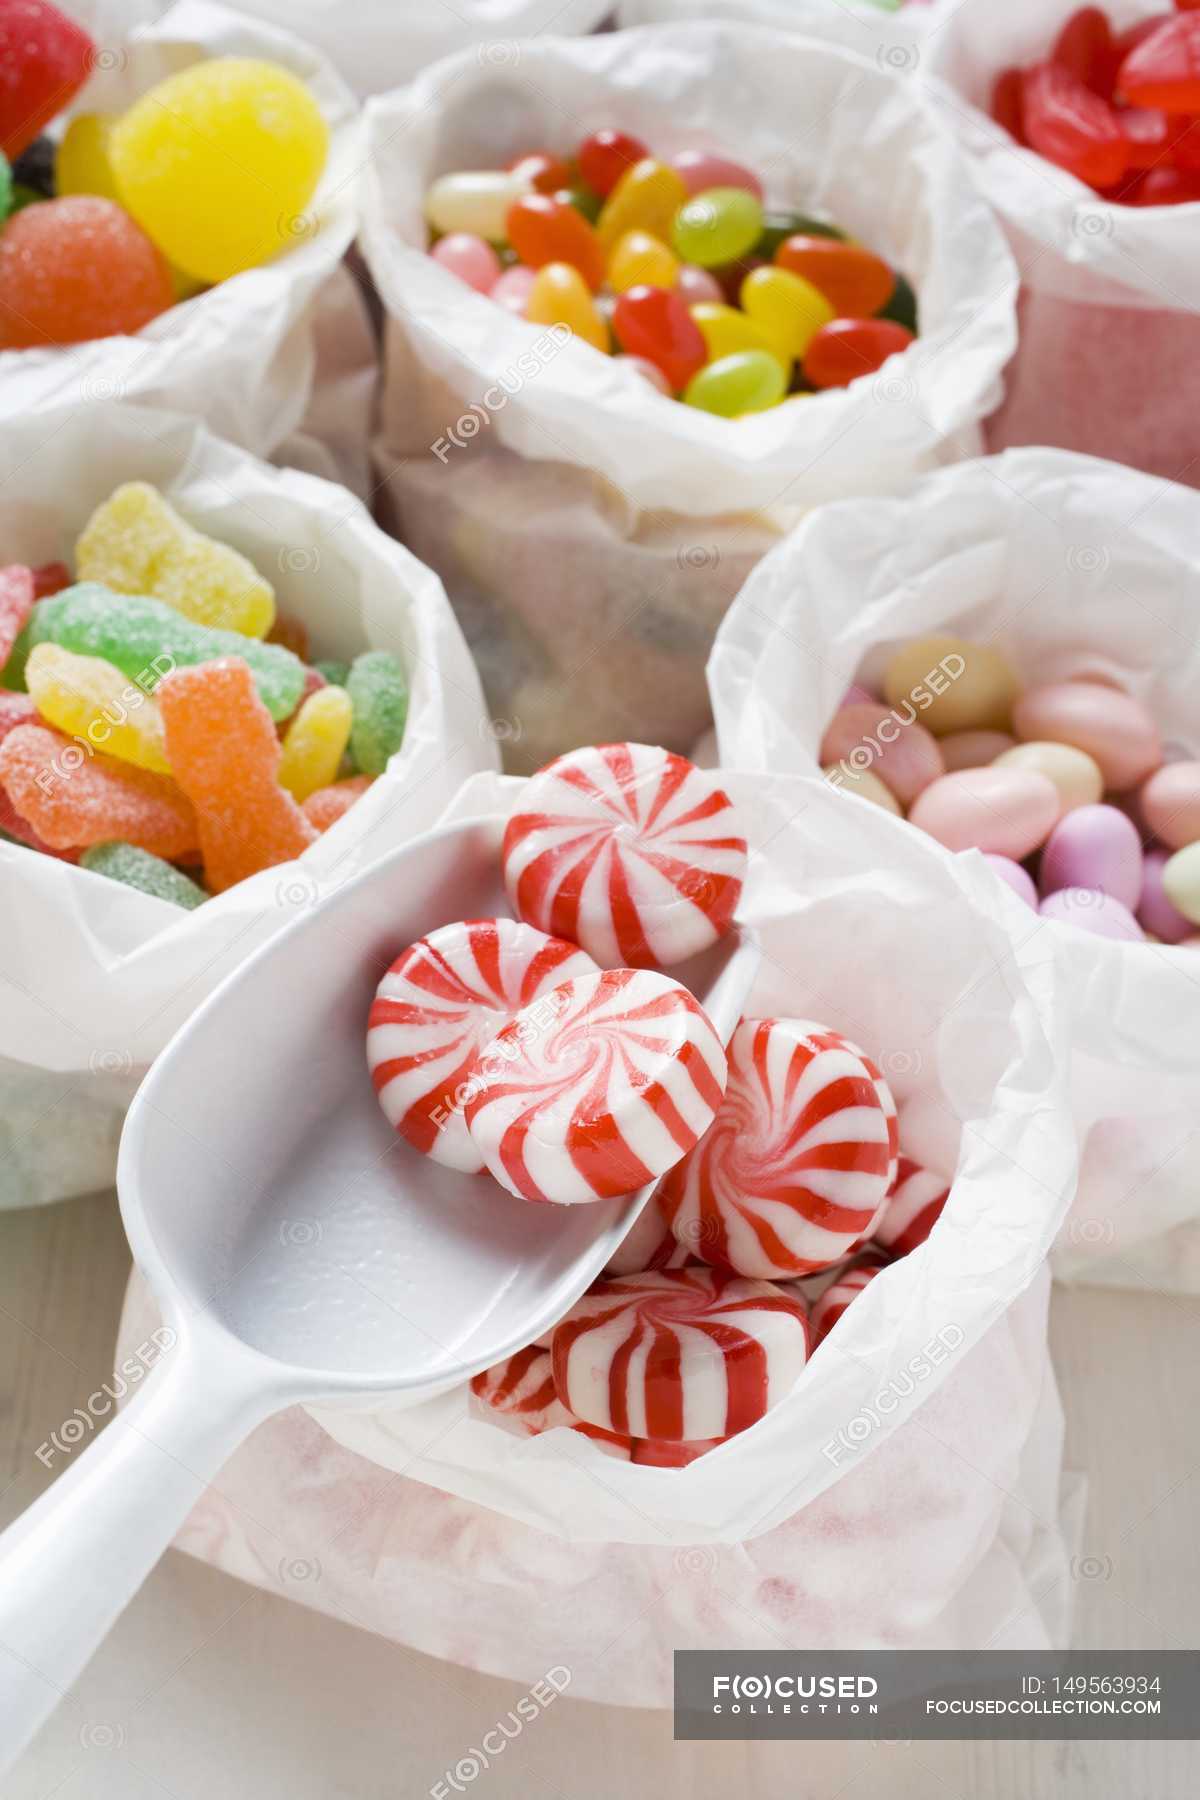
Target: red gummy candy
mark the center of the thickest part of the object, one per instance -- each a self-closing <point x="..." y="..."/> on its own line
<point x="17" y="595"/>
<point x="1164" y="69"/>
<point x="45" y="58"/>
<point x="77" y="268"/>
<point x="72" y="796"/>
<point x="1167" y="186"/>
<point x="1069" y="125"/>
<point x="1148" y="133"/>
<point x="1185" y="144"/>
<point x="654" y="323"/>
<point x="1008" y="106"/>
<point x="50" y="578"/>
<point x="1084" y="47"/>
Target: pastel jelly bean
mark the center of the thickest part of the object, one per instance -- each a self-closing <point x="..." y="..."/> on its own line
<point x="329" y="804"/>
<point x="1017" y="878"/>
<point x="703" y="170"/>
<point x="378" y="690"/>
<point x="148" y="874"/>
<point x="1069" y="125"/>
<point x="646" y="198"/>
<point x="469" y="257"/>
<point x="544" y="230"/>
<point x="606" y="156"/>
<point x="717" y="227"/>
<point x="1094" y="847"/>
<point x="864" y="783"/>
<point x="902" y="753"/>
<point x="854" y="281"/>
<point x="17" y="595"/>
<point x="45" y="58"/>
<point x="542" y="171"/>
<point x="1111" y="726"/>
<point x="749" y="381"/>
<point x="225" y="755"/>
<point x="89" y="699"/>
<point x="136" y="543"/>
<point x="1180" y="879"/>
<point x="846" y="349"/>
<point x="74" y="269"/>
<point x="727" y="332"/>
<point x="1008" y="811"/>
<point x="1155" y="912"/>
<point x="641" y="260"/>
<point x="315" y="742"/>
<point x="476" y="202"/>
<point x="560" y="296"/>
<point x="196" y="134"/>
<point x="1074" y="773"/>
<point x="697" y="286"/>
<point x="971" y="749"/>
<point x="145" y="638"/>
<point x="650" y="322"/>
<point x="648" y="371"/>
<point x="1170" y="804"/>
<point x="788" y="308"/>
<point x="514" y="286"/>
<point x="73" y="798"/>
<point x="1090" y="910"/>
<point x="1164" y="68"/>
<point x="952" y="684"/>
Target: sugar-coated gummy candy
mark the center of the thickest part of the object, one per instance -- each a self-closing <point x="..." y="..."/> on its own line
<point x="1111" y="726"/>
<point x="73" y="797"/>
<point x="640" y="260"/>
<point x="747" y="382"/>
<point x="703" y="170"/>
<point x="654" y="324"/>
<point x="149" y="874"/>
<point x="543" y="229"/>
<point x="840" y="1293"/>
<point x="136" y="543"/>
<point x="854" y="281"/>
<point x="45" y="58"/>
<point x="219" y="162"/>
<point x="329" y="804"/>
<point x="77" y="268"/>
<point x="597" y="1089"/>
<point x="332" y="670"/>
<point x="378" y="689"/>
<point x="607" y="155"/>
<point x="224" y="752"/>
<point x="474" y="201"/>
<point x="717" y="227"/>
<point x="558" y="295"/>
<point x="469" y="257"/>
<point x="50" y="578"/>
<point x="954" y="684"/>
<point x="629" y="850"/>
<point x="913" y="1208"/>
<point x="88" y="698"/>
<point x="315" y="742"/>
<point x="144" y="638"/>
<point x="679" y="1355"/>
<point x="846" y="349"/>
<point x="646" y="198"/>
<point x="1009" y="811"/>
<point x="17" y="595"/>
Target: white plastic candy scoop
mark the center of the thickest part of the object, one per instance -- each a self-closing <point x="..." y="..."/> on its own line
<point x="298" y="1249"/>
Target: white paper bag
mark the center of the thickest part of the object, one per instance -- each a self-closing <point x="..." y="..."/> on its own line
<point x="886" y="33"/>
<point x="241" y="355"/>
<point x="1071" y="566"/>
<point x="96" y="976"/>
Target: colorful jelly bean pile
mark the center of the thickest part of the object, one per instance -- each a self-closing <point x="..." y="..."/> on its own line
<point x="159" y="711"/>
<point x="1063" y="786"/>
<point x="677" y="268"/>
<point x="1120" y="110"/>
<point x="126" y="215"/>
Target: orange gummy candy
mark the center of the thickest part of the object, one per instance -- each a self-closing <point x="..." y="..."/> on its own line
<point x="72" y="796"/>
<point x="327" y="805"/>
<point x="77" y="268"/>
<point x="224" y="752"/>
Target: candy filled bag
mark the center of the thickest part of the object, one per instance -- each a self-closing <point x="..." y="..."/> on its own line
<point x="504" y="444"/>
<point x="1110" y="295"/>
<point x="1070" y="566"/>
<point x="241" y="355"/>
<point x="96" y="976"/>
<point x="908" y="1489"/>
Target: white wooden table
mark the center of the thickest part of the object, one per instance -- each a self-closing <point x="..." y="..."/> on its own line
<point x="212" y="1688"/>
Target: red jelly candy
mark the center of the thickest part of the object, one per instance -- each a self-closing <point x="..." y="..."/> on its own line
<point x="1147" y="132"/>
<point x="77" y="268"/>
<point x="543" y="229"/>
<point x="17" y="595"/>
<point x="1167" y="186"/>
<point x="847" y="348"/>
<point x="606" y="155"/>
<point x="656" y="324"/>
<point x="1084" y="46"/>
<point x="544" y="171"/>
<point x="1069" y="125"/>
<point x="1185" y="144"/>
<point x="1008" y="106"/>
<point x="50" y="578"/>
<point x="45" y="58"/>
<point x="1164" y="69"/>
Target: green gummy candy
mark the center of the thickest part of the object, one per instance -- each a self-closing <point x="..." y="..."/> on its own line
<point x="6" y="186"/>
<point x="378" y="690"/>
<point x="149" y="874"/>
<point x="902" y="307"/>
<point x="146" y="639"/>
<point x="336" y="673"/>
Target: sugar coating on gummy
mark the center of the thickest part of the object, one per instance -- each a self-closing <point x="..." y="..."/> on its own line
<point x="72" y="799"/>
<point x="45" y="57"/>
<point x="626" y="849"/>
<point x="378" y="690"/>
<point x="796" y="1165"/>
<point x="329" y="804"/>
<point x="77" y="268"/>
<point x="838" y="1296"/>
<point x="441" y="1002"/>
<point x="17" y="595"/>
<point x="679" y="1355"/>
<point x="596" y="1089"/>
<point x="148" y="874"/>
<point x="912" y="1209"/>
<point x="89" y="699"/>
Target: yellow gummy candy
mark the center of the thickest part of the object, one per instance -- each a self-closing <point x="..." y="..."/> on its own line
<point x="82" y="166"/>
<point x="89" y="699"/>
<point x="316" y="742"/>
<point x="136" y="543"/>
<point x="218" y="163"/>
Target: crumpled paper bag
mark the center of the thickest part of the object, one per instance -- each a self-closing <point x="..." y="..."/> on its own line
<point x="908" y="1490"/>
<point x="96" y="976"/>
<point x="1072" y="566"/>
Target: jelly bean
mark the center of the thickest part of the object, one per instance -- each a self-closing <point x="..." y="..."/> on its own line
<point x="1097" y="848"/>
<point x="1089" y="910"/>
<point x="514" y="286"/>
<point x="1111" y="726"/>
<point x="17" y="595"/>
<point x="903" y="754"/>
<point x="846" y="349"/>
<point x="697" y="286"/>
<point x="646" y="198"/>
<point x="1164" y="69"/>
<point x="648" y="371"/>
<point x="1084" y="47"/>
<point x="560" y="296"/>
<point x="1008" y="102"/>
<point x="727" y="332"/>
<point x="584" y="199"/>
<point x="608" y="155"/>
<point x="45" y="58"/>
<point x="1074" y="773"/>
<point x="73" y="799"/>
<point x="787" y="308"/>
<point x="82" y="165"/>
<point x="954" y="684"/>
<point x="378" y="689"/>
<point x="329" y="804"/>
<point x="543" y="230"/>
<point x="1160" y="187"/>
<point x="88" y="698"/>
<point x="901" y="309"/>
<point x="148" y="874"/>
<point x="136" y="543"/>
<point x="74" y="269"/>
<point x="863" y="783"/>
<point x="704" y="169"/>
<point x="717" y="227"/>
<point x="1008" y="811"/>
<point x="1014" y="876"/>
<point x="855" y="282"/>
<point x="197" y="134"/>
<point x="1180" y="878"/>
<point x="650" y="322"/>
<point x="476" y="202"/>
<point x="973" y="749"/>
<point x="1155" y="912"/>
<point x="471" y="258"/>
<point x="748" y="382"/>
<point x="778" y="226"/>
<point x="639" y="260"/>
<point x="315" y="742"/>
<point x="1170" y="804"/>
<point x="541" y="171"/>
<point x="144" y="638"/>
<point x="1072" y="127"/>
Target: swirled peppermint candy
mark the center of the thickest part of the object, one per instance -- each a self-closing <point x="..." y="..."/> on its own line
<point x="912" y="1209"/>
<point x="841" y="1292"/>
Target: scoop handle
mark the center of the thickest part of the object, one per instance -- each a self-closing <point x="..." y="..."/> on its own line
<point x="72" y="1563"/>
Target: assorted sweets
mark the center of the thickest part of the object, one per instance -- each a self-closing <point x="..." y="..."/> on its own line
<point x="1118" y="109"/>
<point x="107" y="228"/>
<point x="677" y="267"/>
<point x="1064" y="785"/>
<point x="161" y="723"/>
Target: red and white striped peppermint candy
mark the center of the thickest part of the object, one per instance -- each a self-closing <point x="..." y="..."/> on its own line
<point x="838" y="1295"/>
<point x="629" y="850"/>
<point x="608" y="1095"/>
<point x="435" y="1009"/>
<point x="523" y="1385"/>
<point x="648" y="1244"/>
<point x="654" y="1454"/>
<point x="912" y="1210"/>
<point x="678" y="1355"/>
<point x="795" y="1168"/>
